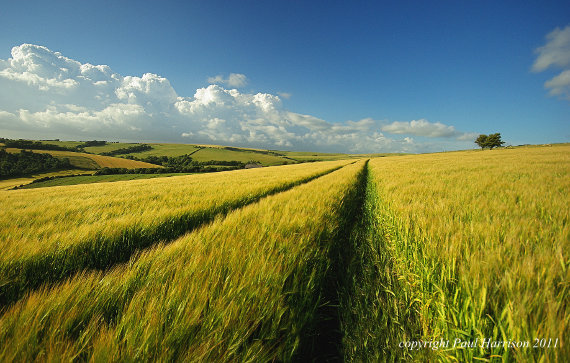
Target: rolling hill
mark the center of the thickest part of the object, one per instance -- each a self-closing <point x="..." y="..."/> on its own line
<point x="205" y="153"/>
<point x="93" y="161"/>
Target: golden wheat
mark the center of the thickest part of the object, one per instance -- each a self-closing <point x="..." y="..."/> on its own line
<point x="479" y="244"/>
<point x="48" y="234"/>
<point x="243" y="288"/>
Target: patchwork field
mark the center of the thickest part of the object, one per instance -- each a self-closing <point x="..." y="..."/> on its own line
<point x="220" y="154"/>
<point x="378" y="259"/>
<point x="7" y="184"/>
<point x="204" y="153"/>
<point x="91" y="161"/>
<point x="310" y="156"/>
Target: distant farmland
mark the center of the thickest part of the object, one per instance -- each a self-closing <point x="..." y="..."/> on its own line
<point x="204" y="153"/>
<point x="353" y="260"/>
<point x="91" y="161"/>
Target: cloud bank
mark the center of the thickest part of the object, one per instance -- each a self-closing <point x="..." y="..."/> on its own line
<point x="428" y="129"/>
<point x="556" y="54"/>
<point x="44" y="94"/>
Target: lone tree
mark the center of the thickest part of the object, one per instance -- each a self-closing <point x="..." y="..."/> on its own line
<point x="481" y="140"/>
<point x="490" y="141"/>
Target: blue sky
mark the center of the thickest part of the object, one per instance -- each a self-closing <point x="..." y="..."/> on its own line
<point x="352" y="76"/>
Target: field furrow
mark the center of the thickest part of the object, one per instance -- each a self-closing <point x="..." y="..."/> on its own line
<point x="47" y="235"/>
<point x="247" y="287"/>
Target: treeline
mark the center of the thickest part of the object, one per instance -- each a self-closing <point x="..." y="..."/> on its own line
<point x="185" y="162"/>
<point x="34" y="145"/>
<point x="38" y="145"/>
<point x="265" y="152"/>
<point x="175" y="164"/>
<point x="27" y="162"/>
<point x="91" y="143"/>
<point x="128" y="150"/>
<point x="47" y="178"/>
<point x="194" y="169"/>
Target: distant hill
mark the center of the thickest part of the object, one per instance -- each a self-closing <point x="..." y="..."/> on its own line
<point x="204" y="153"/>
<point x="113" y="158"/>
<point x="92" y="161"/>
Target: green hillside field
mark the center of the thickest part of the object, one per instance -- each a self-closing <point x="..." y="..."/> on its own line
<point x="204" y="153"/>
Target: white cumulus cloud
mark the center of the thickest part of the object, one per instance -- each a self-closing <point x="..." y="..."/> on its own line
<point x="559" y="85"/>
<point x="235" y="80"/>
<point x="425" y="128"/>
<point x="44" y="94"/>
<point x="556" y="53"/>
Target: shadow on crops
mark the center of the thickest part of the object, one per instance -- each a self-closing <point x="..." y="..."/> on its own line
<point x="321" y="339"/>
<point x="376" y="314"/>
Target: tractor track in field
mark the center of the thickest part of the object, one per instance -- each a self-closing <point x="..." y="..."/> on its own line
<point x="21" y="277"/>
<point x="323" y="340"/>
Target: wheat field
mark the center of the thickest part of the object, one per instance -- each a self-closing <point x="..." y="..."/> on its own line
<point x="242" y="288"/>
<point x="408" y="258"/>
<point x="465" y="245"/>
<point x="46" y="235"/>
